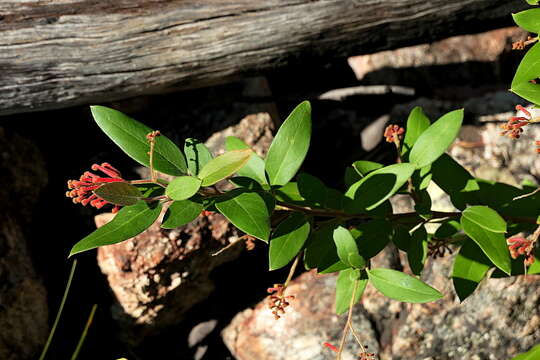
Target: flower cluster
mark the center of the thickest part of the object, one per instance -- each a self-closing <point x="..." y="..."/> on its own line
<point x="537" y="143"/>
<point x="278" y="301"/>
<point x="514" y="127"/>
<point x="521" y="246"/>
<point x="81" y="191"/>
<point x="393" y="133"/>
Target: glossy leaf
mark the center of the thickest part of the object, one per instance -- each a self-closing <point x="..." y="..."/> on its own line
<point x="247" y="211"/>
<point x="150" y="190"/>
<point x="347" y="280"/>
<point x="372" y="237"/>
<point x="181" y="212"/>
<point x="532" y="354"/>
<point x="377" y="187"/>
<point x="288" y="239"/>
<point x="289" y="193"/>
<point x="532" y="2"/>
<point x="311" y="189"/>
<point x="448" y="229"/>
<point x="197" y="155"/>
<point x="351" y="176"/>
<point x="486" y="218"/>
<point x="417" y="123"/>
<point x="417" y="250"/>
<point x="129" y="222"/>
<point x="119" y="193"/>
<point x="528" y="69"/>
<point x="130" y="136"/>
<point x="434" y="141"/>
<point x="528" y="20"/>
<point x="364" y="167"/>
<point x="492" y="244"/>
<point x="470" y="267"/>
<point x="321" y="251"/>
<point x="183" y="187"/>
<point x="224" y="166"/>
<point x="347" y="249"/>
<point x="402" y="287"/>
<point x="454" y="180"/>
<point x="254" y="168"/>
<point x="290" y="145"/>
<point x="245" y="182"/>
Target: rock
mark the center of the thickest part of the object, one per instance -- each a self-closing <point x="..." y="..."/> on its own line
<point x="159" y="275"/>
<point x="23" y="299"/>
<point x="498" y="321"/>
<point x="435" y="67"/>
<point x="300" y="333"/>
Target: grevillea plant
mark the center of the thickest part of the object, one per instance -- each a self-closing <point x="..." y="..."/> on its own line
<point x="303" y="220"/>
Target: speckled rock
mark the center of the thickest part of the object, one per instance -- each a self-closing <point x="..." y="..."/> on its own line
<point x="23" y="301"/>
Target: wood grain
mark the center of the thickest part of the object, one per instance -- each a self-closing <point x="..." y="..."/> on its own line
<point x="58" y="53"/>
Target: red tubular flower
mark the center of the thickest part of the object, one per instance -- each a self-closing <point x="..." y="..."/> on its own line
<point x="514" y="127"/>
<point x="81" y="191"/>
<point x="521" y="246"/>
<point x="331" y="347"/>
<point x="537" y="143"/>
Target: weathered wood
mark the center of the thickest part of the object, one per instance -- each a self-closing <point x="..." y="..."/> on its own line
<point x="57" y="53"/>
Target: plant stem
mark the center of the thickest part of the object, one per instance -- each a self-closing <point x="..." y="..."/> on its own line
<point x="348" y="324"/>
<point x="292" y="270"/>
<point x="84" y="333"/>
<point x="59" y="312"/>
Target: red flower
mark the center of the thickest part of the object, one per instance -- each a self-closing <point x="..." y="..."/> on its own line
<point x="514" y="127"/>
<point x="81" y="191"/>
<point x="393" y="133"/>
<point x="521" y="246"/>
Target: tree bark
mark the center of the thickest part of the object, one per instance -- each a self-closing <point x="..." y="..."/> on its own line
<point x="58" y="53"/>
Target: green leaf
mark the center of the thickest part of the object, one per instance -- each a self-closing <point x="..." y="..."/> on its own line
<point x="181" y="212"/>
<point x="224" y="166"/>
<point x="288" y="239"/>
<point x="528" y="69"/>
<point x="528" y="20"/>
<point x="378" y="186"/>
<point x="183" y="187"/>
<point x="448" y="229"/>
<point x="534" y="353"/>
<point x="402" y="287"/>
<point x="347" y="249"/>
<point x="254" y="168"/>
<point x="150" y="190"/>
<point x="119" y="193"/>
<point x="247" y="211"/>
<point x="454" y="180"/>
<point x="197" y="155"/>
<point x="130" y="136"/>
<point x="434" y="141"/>
<point x="470" y="267"/>
<point x="290" y="146"/>
<point x="364" y="167"/>
<point x="129" y="222"/>
<point x="532" y="2"/>
<point x="372" y="237"/>
<point x="486" y="218"/>
<point x="417" y="123"/>
<point x="245" y="182"/>
<point x="417" y="250"/>
<point x="321" y="251"/>
<point x="351" y="176"/>
<point x="289" y="193"/>
<point x="347" y="280"/>
<point x="312" y="189"/>
<point x="492" y="244"/>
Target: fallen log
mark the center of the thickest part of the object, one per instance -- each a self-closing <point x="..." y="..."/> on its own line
<point x="59" y="53"/>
